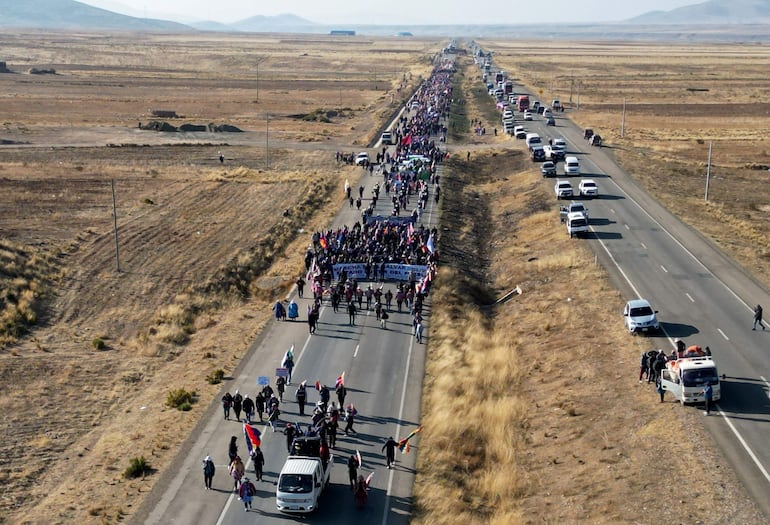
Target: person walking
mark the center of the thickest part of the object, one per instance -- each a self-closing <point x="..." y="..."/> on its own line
<point x="209" y="469"/>
<point x="388" y="298"/>
<point x="246" y="492"/>
<point x="758" y="317"/>
<point x="350" y="416"/>
<point x="259" y="462"/>
<point x="288" y="364"/>
<point x="390" y="451"/>
<point x="300" y="287"/>
<point x="301" y="397"/>
<point x="273" y="413"/>
<point x="227" y="402"/>
<point x="237" y="405"/>
<point x="280" y="385"/>
<point x="341" y="393"/>
<point x="352" y="313"/>
<point x="418" y="332"/>
<point x="237" y="469"/>
<point x="353" y="471"/>
<point x="708" y="394"/>
<point x="259" y="405"/>
<point x="289" y="432"/>
<point x="248" y="409"/>
<point x="232" y="450"/>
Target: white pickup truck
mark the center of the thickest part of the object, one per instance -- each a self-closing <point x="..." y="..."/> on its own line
<point x="303" y="477"/>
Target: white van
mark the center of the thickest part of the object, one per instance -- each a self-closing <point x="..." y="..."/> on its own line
<point x="571" y="166"/>
<point x="300" y="483"/>
<point x="532" y="139"/>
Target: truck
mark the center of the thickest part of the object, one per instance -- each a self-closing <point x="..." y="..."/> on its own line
<point x="577" y="224"/>
<point x="688" y="372"/>
<point x="499" y="77"/>
<point x="508" y="87"/>
<point x="522" y="103"/>
<point x="303" y="478"/>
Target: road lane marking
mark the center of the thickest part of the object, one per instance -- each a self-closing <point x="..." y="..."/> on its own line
<point x="392" y="472"/>
<point x="745" y="445"/>
<point x="723" y="334"/>
<point x="689" y="297"/>
<point x="356" y="351"/>
<point x="643" y="245"/>
<point x="626" y="227"/>
<point x="663" y="268"/>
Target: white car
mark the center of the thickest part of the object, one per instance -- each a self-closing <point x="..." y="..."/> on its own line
<point x="563" y="189"/>
<point x="559" y="142"/>
<point x="588" y="188"/>
<point x="362" y="158"/>
<point x="640" y="317"/>
<point x="527" y="115"/>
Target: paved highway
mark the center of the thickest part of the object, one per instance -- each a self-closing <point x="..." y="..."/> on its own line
<point x="702" y="297"/>
<point x="383" y="375"/>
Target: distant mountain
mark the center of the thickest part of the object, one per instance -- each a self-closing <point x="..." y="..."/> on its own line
<point x="278" y="23"/>
<point x="70" y="14"/>
<point x="710" y="12"/>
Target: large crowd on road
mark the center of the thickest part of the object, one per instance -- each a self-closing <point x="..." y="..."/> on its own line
<point x="373" y="241"/>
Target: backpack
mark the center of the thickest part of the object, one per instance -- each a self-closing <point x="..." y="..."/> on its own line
<point x="247" y="489"/>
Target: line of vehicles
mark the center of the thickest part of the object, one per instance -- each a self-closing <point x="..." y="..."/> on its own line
<point x="686" y="371"/>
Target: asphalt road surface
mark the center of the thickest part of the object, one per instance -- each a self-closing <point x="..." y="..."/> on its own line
<point x="702" y="296"/>
<point x="383" y="375"/>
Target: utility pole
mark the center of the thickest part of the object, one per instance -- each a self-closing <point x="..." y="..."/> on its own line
<point x="115" y="226"/>
<point x="267" y="141"/>
<point x="623" y="120"/>
<point x="259" y="61"/>
<point x="708" y="174"/>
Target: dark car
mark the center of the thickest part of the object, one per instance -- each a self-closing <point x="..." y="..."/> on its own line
<point x="537" y="154"/>
<point x="550" y="121"/>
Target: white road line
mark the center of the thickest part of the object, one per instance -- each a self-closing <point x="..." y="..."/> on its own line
<point x="663" y="268"/>
<point x="385" y="510"/>
<point x="745" y="445"/>
<point x="689" y="297"/>
<point x="356" y="352"/>
<point x="723" y="334"/>
<point x="626" y="227"/>
<point x="612" y="210"/>
<point x="643" y="245"/>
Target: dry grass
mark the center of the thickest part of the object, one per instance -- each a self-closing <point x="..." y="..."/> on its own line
<point x="525" y="419"/>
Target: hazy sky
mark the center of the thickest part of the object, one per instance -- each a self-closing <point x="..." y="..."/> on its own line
<point x="394" y="11"/>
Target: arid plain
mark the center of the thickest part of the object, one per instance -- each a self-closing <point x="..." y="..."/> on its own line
<point x="205" y="248"/>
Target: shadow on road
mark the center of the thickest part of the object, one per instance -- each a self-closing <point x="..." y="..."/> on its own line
<point x="604" y="235"/>
<point x="745" y="396"/>
<point x="678" y="330"/>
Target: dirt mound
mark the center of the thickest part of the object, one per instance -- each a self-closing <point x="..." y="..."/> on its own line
<point x="157" y="125"/>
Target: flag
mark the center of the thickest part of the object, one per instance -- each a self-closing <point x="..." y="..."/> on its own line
<point x="406" y="140"/>
<point x="287" y="356"/>
<point x="323" y="243"/>
<point x="404" y="445"/>
<point x="410" y="229"/>
<point x="252" y="436"/>
<point x="318" y="385"/>
<point x="303" y="384"/>
<point x="369" y="479"/>
<point x="340" y="380"/>
<point x="358" y="458"/>
<point x="430" y="245"/>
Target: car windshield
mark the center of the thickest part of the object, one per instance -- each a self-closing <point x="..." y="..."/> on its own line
<point x="295" y="483"/>
<point x="641" y="311"/>
<point x="700" y="377"/>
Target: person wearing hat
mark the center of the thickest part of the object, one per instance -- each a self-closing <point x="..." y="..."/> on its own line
<point x="246" y="493"/>
<point x="208" y="472"/>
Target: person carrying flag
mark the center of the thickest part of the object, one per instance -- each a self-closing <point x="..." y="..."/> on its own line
<point x="353" y="471"/>
<point x="390" y="451"/>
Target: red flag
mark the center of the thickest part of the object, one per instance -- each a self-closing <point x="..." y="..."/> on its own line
<point x="406" y="140"/>
<point x="404" y="445"/>
<point x="252" y="436"/>
<point x="340" y="380"/>
<point x="368" y="479"/>
<point x="318" y="385"/>
<point x="323" y="243"/>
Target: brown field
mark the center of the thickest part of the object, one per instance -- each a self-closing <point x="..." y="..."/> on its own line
<point x="204" y="248"/>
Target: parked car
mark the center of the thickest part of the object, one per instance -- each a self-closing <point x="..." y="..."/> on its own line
<point x="362" y="158"/>
<point x="537" y="153"/>
<point x="527" y="115"/>
<point x="519" y="132"/>
<point x="588" y="188"/>
<point x="548" y="169"/>
<point x="563" y="189"/>
<point x="550" y="121"/>
<point x="640" y="317"/>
